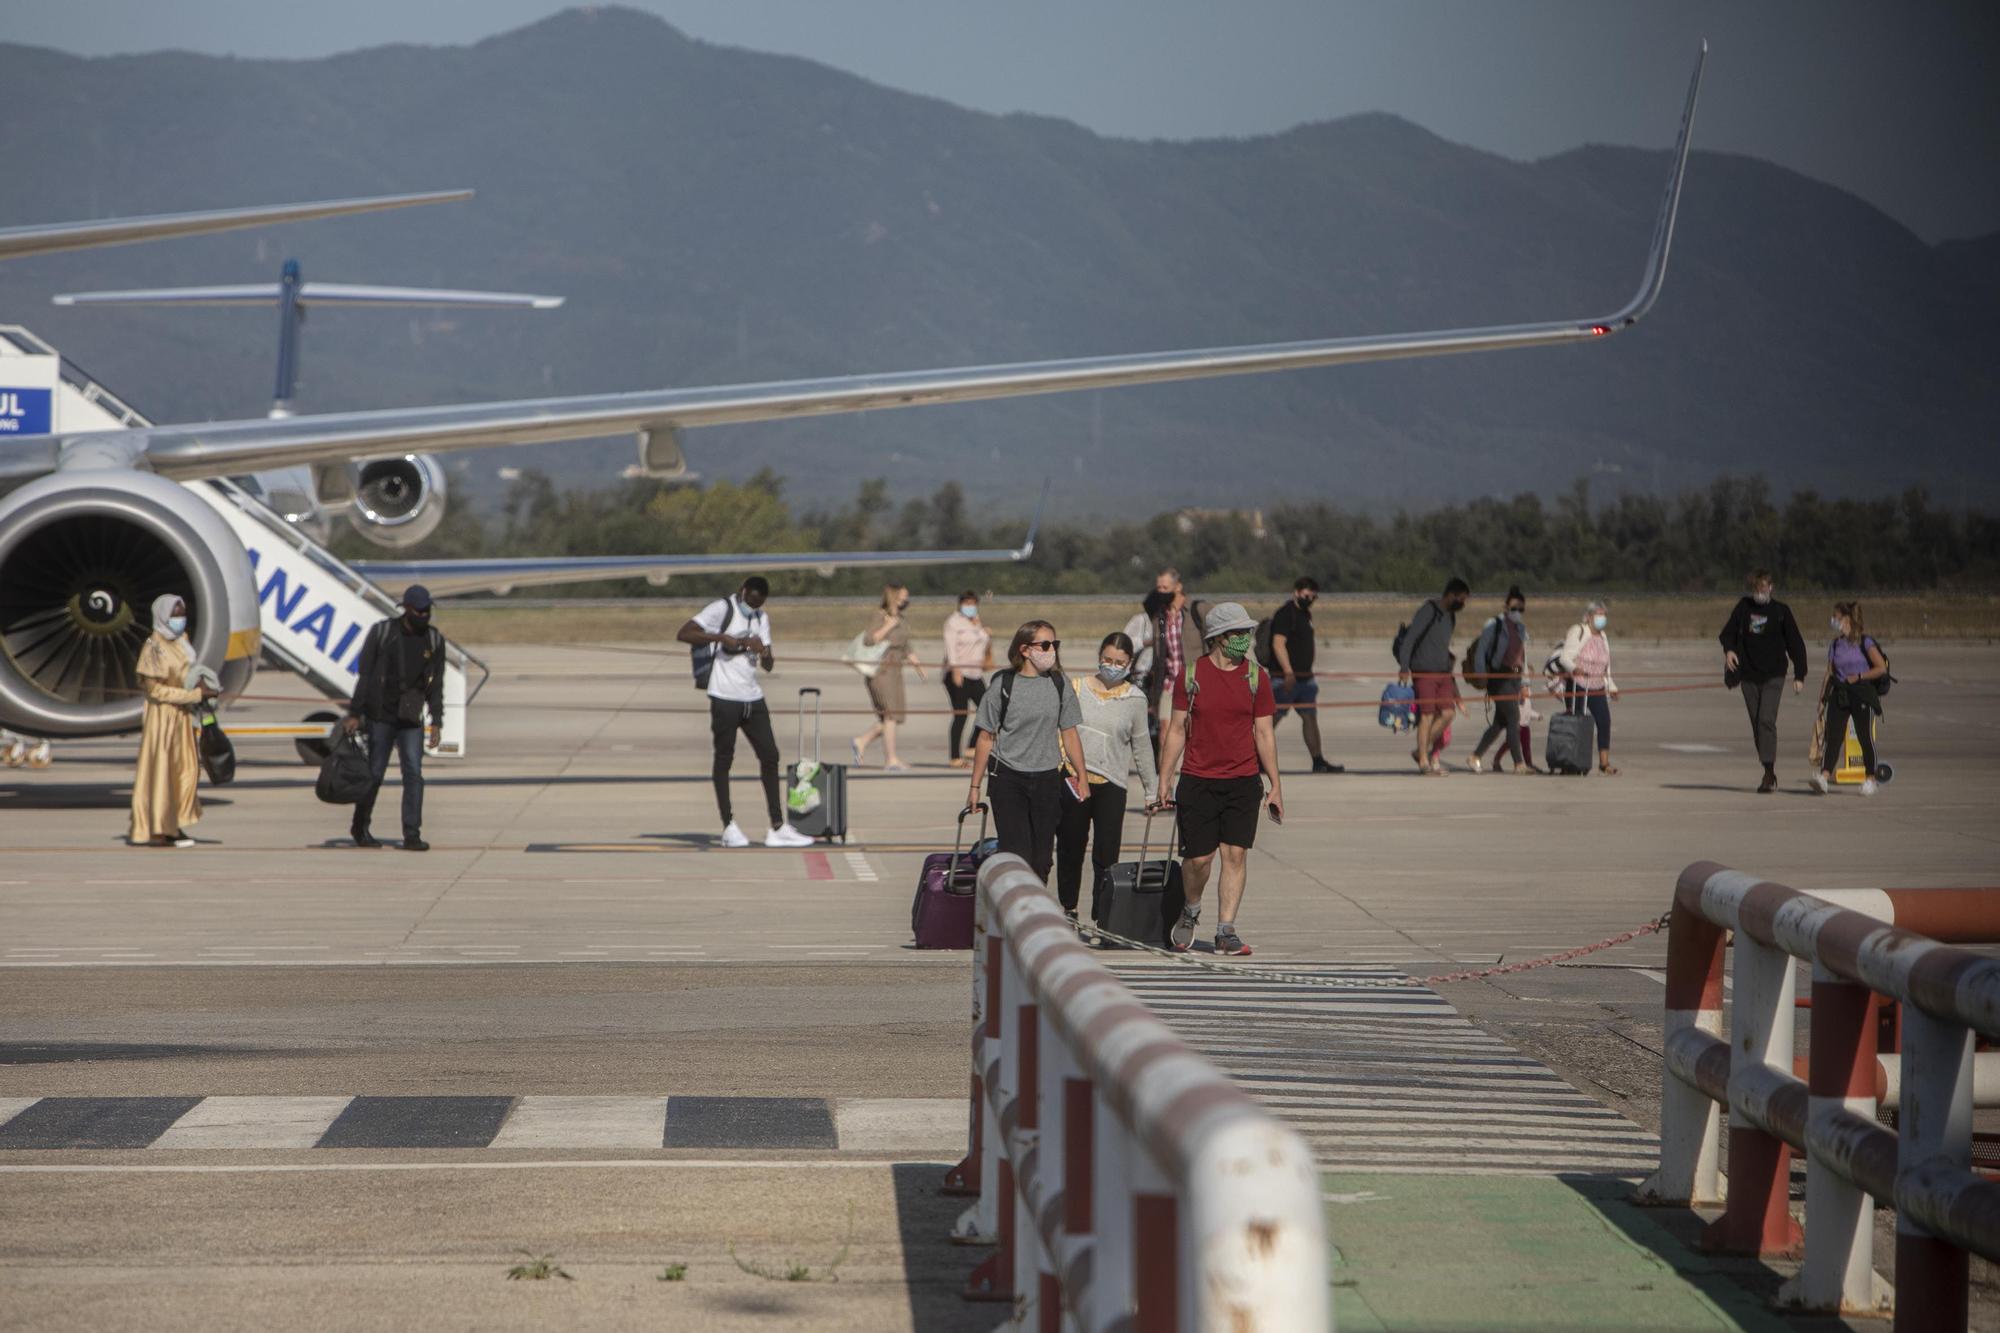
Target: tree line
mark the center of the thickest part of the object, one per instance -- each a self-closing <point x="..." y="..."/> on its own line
<point x="1700" y="541"/>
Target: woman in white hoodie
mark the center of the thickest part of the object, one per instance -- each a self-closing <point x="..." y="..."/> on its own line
<point x="1585" y="658"/>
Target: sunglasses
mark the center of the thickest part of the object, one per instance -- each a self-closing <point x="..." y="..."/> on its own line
<point x="1044" y="644"/>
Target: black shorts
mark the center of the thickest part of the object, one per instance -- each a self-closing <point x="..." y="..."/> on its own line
<point x="1212" y="811"/>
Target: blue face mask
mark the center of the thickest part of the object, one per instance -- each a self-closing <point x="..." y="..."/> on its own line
<point x="176" y="626"/>
<point x="1112" y="675"/>
<point x="970" y="611"/>
<point x="1599" y="622"/>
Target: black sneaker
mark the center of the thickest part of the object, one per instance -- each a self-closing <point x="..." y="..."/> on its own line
<point x="1770" y="782"/>
<point x="1321" y="766"/>
<point x="412" y="843"/>
<point x="1229" y="943"/>
<point x="363" y="838"/>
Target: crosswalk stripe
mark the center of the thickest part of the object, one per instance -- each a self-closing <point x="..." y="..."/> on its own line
<point x="584" y="1122"/>
<point x="1388" y="1080"/>
<point x="253" y="1122"/>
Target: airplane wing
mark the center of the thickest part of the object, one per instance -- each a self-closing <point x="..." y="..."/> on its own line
<point x="446" y="578"/>
<point x="234" y="447"/>
<point x="310" y="294"/>
<point x="48" y="238"/>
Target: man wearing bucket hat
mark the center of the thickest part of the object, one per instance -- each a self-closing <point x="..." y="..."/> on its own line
<point x="399" y="676"/>
<point x="1221" y="744"/>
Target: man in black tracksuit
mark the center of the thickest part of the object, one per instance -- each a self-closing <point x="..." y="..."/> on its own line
<point x="400" y="674"/>
<point x="1760" y="635"/>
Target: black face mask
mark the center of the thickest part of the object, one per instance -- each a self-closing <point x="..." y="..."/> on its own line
<point x="417" y="620"/>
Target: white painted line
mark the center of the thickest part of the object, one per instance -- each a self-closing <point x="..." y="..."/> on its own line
<point x="303" y="1168"/>
<point x="900" y="1124"/>
<point x="584" y="1122"/>
<point x="1693" y="747"/>
<point x="253" y="1122"/>
<point x="13" y="1106"/>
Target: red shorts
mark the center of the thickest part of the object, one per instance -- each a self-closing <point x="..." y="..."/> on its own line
<point x="1435" y="694"/>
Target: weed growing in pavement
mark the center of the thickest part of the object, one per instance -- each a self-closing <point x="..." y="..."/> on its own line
<point x="673" y="1273"/>
<point x="539" y="1268"/>
<point x="797" y="1272"/>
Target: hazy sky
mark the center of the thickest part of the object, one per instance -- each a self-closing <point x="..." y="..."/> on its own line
<point x="1896" y="100"/>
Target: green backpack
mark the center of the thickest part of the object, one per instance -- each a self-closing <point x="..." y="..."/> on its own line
<point x="1252" y="674"/>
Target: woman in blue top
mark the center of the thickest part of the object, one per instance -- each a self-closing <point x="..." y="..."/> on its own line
<point x="1854" y="663"/>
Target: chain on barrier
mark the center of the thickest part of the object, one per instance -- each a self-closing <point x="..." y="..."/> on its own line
<point x="1652" y="927"/>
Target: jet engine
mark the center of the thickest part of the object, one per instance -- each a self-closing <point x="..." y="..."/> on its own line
<point x="82" y="556"/>
<point x="398" y="500"/>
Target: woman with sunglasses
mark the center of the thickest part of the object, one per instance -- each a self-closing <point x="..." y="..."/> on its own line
<point x="1025" y="729"/>
<point x="1113" y="728"/>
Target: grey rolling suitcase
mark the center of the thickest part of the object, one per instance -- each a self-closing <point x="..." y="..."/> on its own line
<point x="818" y="806"/>
<point x="1570" y="737"/>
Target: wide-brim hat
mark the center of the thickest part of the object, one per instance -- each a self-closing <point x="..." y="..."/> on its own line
<point x="1226" y="618"/>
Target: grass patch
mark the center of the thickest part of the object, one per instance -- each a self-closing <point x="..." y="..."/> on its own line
<point x="792" y="1271"/>
<point x="538" y="1268"/>
<point x="673" y="1273"/>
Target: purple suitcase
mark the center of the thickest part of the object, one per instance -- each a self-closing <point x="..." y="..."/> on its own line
<point x="941" y="915"/>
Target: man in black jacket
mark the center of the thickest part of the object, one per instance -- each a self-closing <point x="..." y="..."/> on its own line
<point x="400" y="674"/>
<point x="1760" y="635"/>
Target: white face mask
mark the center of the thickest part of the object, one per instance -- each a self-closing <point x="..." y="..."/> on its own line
<point x="1041" y="659"/>
<point x="1599" y="622"/>
<point x="1838" y="628"/>
<point x="970" y="610"/>
<point x="1761" y="598"/>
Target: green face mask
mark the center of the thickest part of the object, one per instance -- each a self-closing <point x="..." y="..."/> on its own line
<point x="1236" y="647"/>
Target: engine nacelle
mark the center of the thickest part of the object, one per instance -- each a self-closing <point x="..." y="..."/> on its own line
<point x="82" y="556"/>
<point x="398" y="500"/>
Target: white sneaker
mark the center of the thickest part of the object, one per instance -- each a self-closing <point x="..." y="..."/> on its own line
<point x="1868" y="787"/>
<point x="1474" y="764"/>
<point x="184" y="841"/>
<point x="1818" y="783"/>
<point x="733" y="836"/>
<point x="786" y="836"/>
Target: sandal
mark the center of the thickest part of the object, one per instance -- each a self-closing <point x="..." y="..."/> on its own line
<point x="895" y="766"/>
<point x="1607" y="770"/>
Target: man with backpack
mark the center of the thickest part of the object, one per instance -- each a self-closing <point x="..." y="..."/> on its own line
<point x="1496" y="664"/>
<point x="1286" y="649"/>
<point x="1423" y="652"/>
<point x="399" y="675"/>
<point x="1759" y="636"/>
<point x="1221" y="725"/>
<point x="731" y="638"/>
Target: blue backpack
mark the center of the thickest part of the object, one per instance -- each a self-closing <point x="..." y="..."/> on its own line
<point x="1399" y="707"/>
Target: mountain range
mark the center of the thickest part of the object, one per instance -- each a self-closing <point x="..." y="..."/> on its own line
<point x="717" y="215"/>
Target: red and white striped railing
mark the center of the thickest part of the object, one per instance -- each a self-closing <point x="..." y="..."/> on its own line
<point x="1923" y="1168"/>
<point x="1125" y="1182"/>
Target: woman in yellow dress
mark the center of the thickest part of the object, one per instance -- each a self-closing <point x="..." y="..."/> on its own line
<point x="164" y="801"/>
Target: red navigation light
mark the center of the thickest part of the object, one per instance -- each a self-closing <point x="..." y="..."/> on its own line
<point x="1599" y="330"/>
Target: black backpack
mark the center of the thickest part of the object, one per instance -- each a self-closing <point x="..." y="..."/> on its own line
<point x="703" y="655"/>
<point x="1005" y="680"/>
<point x="1266" y="656"/>
<point x="1885" y="680"/>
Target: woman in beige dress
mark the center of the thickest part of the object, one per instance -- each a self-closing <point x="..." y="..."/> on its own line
<point x="885" y="687"/>
<point x="164" y="801"/>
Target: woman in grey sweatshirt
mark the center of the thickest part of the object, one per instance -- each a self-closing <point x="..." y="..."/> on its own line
<point x="1114" y="734"/>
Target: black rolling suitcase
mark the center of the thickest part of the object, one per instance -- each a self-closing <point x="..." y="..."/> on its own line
<point x="1570" y="735"/>
<point x="815" y="803"/>
<point x="1139" y="899"/>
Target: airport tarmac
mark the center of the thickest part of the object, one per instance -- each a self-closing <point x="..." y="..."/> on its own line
<point x="575" y="934"/>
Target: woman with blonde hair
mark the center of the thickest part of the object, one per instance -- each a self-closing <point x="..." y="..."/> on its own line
<point x="1585" y="659"/>
<point x="1854" y="663"/>
<point x="885" y="687"/>
<point x="1025" y="729"/>
<point x="968" y="655"/>
<point x="164" y="800"/>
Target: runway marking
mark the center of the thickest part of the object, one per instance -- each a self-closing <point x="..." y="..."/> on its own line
<point x="93" y="1122"/>
<point x="253" y="1122"/>
<point x="1388" y="1080"/>
<point x="864" y="871"/>
<point x="417" y="1122"/>
<point x="1693" y="747"/>
<point x="817" y="866"/>
<point x="584" y="1122"/>
<point x="749" y="1122"/>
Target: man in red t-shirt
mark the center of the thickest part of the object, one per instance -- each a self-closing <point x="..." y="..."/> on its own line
<point x="1221" y="726"/>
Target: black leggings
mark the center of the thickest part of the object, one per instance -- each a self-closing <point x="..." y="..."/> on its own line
<point x="1100" y="818"/>
<point x="963" y="696"/>
<point x="1837" y="718"/>
<point x="1026" y="807"/>
<point x="725" y="718"/>
<point x="1506" y="724"/>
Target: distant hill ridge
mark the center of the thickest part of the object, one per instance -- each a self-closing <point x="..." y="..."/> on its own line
<point x="721" y="215"/>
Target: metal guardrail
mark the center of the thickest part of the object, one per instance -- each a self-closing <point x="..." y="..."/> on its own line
<point x="1943" y="1209"/>
<point x="1126" y="1182"/>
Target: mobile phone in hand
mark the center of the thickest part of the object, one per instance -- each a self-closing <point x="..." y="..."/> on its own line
<point x="1277" y="815"/>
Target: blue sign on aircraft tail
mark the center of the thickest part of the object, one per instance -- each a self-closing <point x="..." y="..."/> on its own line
<point x="26" y="411"/>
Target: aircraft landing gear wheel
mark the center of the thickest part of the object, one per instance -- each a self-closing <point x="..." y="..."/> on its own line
<point x="313" y="750"/>
<point x="1883" y="771"/>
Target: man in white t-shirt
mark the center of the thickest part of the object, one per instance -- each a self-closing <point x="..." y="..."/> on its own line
<point x="736" y="634"/>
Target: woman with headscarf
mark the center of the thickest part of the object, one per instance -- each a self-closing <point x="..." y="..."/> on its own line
<point x="164" y="801"/>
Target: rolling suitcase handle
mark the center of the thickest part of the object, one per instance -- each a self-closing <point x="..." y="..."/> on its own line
<point x="813" y="690"/>
<point x="958" y="838"/>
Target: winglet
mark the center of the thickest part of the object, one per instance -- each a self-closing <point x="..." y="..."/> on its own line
<point x="1663" y="229"/>
<point x="1027" y="546"/>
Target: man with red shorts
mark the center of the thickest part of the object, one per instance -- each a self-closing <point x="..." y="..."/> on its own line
<point x="1424" y="652"/>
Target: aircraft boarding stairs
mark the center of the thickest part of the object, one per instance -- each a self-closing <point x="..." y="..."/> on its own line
<point x="313" y="609"/>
